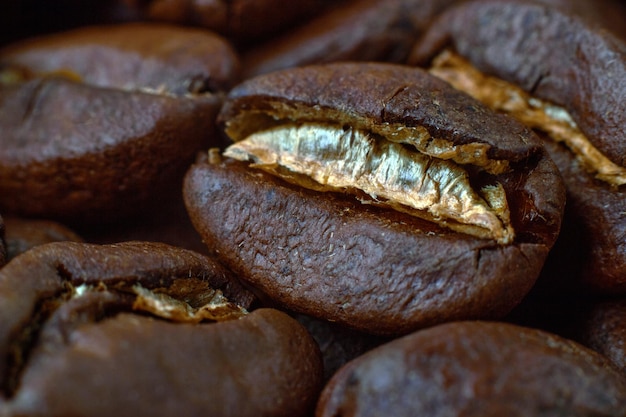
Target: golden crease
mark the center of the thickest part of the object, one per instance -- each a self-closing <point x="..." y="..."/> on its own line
<point x="16" y="74"/>
<point x="418" y="137"/>
<point x="216" y="306"/>
<point x="246" y="123"/>
<point x="391" y="174"/>
<point x="190" y="301"/>
<point x="535" y="113"/>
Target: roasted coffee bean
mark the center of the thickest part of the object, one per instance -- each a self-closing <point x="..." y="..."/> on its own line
<point x="142" y="328"/>
<point x="23" y="234"/>
<point x="476" y="369"/>
<point x="564" y="77"/>
<point x="99" y="123"/>
<point x="376" y="196"/>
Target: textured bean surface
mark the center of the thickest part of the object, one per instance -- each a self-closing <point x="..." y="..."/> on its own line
<point x="476" y="369"/>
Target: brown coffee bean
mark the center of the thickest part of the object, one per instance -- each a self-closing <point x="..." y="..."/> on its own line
<point x="476" y="369"/>
<point x="381" y="267"/>
<point x="540" y="63"/>
<point x="564" y="77"/>
<point x="102" y="122"/>
<point x="142" y="328"/>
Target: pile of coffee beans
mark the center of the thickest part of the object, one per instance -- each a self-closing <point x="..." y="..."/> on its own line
<point x="315" y="208"/>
